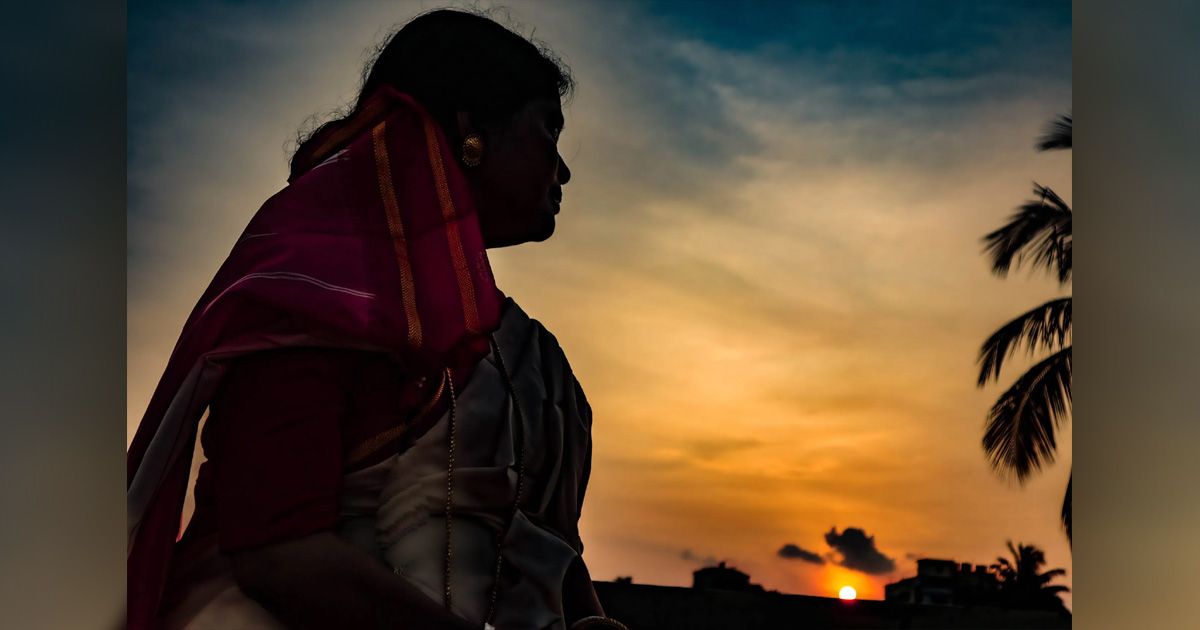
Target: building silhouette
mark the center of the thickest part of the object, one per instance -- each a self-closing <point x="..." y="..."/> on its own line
<point x="946" y="583"/>
<point x="723" y="598"/>
<point x="723" y="578"/>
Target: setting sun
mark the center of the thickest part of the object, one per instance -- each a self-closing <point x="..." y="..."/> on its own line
<point x="847" y="592"/>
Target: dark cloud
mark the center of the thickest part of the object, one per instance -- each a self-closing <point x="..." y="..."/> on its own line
<point x="707" y="561"/>
<point x="793" y="552"/>
<point x="859" y="552"/>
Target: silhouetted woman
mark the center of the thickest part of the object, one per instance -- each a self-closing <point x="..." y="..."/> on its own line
<point x="391" y="442"/>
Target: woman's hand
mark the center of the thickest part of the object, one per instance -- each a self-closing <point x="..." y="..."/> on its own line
<point x="321" y="581"/>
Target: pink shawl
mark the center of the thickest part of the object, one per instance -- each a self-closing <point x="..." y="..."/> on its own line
<point x="374" y="244"/>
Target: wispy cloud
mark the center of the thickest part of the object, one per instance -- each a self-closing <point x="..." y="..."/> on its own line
<point x="707" y="561"/>
<point x="793" y="552"/>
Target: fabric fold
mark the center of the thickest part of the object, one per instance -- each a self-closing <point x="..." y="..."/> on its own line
<point x="541" y="540"/>
<point x="395" y="510"/>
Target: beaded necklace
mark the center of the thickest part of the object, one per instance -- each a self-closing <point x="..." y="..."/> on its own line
<point x="589" y="622"/>
<point x="520" y="428"/>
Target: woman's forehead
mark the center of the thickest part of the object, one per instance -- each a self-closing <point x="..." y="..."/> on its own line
<point x="537" y="112"/>
<point x="545" y="105"/>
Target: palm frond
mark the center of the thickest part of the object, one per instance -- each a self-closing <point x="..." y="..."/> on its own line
<point x="1019" y="436"/>
<point x="1066" y="510"/>
<point x="1057" y="136"/>
<point x="1040" y="230"/>
<point x="1023" y="584"/>
<point x="1003" y="568"/>
<point x="1030" y="560"/>
<point x="1047" y="326"/>
<point x="1051" y="574"/>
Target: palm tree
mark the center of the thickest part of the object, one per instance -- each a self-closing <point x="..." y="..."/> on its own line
<point x="1019" y="437"/>
<point x="1023" y="584"/>
<point x="1058" y="135"/>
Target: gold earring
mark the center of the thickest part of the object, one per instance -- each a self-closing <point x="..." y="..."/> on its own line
<point x="472" y="150"/>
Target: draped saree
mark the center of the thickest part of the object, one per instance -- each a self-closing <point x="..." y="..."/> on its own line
<point x="395" y="511"/>
<point x="373" y="245"/>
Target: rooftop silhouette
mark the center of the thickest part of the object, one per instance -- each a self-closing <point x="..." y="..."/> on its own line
<point x="722" y="597"/>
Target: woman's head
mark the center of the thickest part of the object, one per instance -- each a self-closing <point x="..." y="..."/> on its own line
<point x="476" y="77"/>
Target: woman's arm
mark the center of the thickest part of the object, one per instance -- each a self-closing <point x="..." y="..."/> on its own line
<point x="276" y="428"/>
<point x="579" y="595"/>
<point x="321" y="581"/>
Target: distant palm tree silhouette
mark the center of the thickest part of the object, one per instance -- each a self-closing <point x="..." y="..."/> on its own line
<point x="1022" y="583"/>
<point x="1058" y="135"/>
<point x="1021" y="426"/>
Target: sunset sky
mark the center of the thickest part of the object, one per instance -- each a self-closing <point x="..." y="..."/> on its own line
<point x="767" y="274"/>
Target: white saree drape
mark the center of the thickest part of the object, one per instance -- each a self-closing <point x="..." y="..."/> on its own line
<point x="395" y="510"/>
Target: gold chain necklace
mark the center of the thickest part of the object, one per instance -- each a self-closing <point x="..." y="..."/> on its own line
<point x="520" y="427"/>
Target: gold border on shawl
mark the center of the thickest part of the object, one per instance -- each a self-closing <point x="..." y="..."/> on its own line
<point x="372" y="445"/>
<point x="465" y="286"/>
<point x="388" y="191"/>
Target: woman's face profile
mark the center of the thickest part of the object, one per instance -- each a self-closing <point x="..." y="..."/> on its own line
<point x="518" y="184"/>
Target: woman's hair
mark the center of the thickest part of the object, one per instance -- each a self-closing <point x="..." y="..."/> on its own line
<point x="451" y="61"/>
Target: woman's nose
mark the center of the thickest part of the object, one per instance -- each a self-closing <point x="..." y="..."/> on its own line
<point x="564" y="173"/>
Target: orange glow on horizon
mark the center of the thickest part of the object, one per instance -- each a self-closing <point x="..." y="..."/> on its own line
<point x="837" y="579"/>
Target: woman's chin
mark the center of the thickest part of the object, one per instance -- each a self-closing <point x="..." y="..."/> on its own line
<point x="544" y="224"/>
<point x="536" y="235"/>
<point x="546" y="230"/>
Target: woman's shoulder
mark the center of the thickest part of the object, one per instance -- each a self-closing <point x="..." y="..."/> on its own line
<point x="307" y="390"/>
<point x="311" y="365"/>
